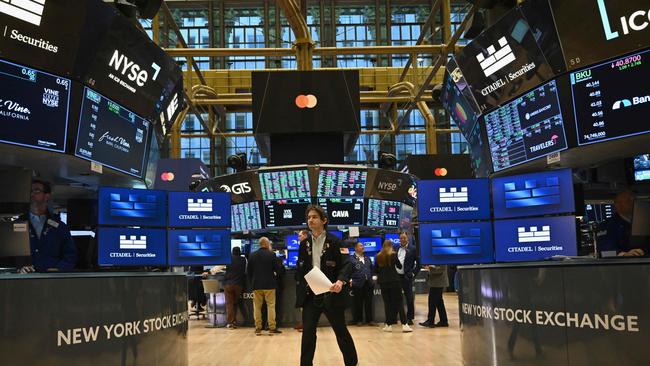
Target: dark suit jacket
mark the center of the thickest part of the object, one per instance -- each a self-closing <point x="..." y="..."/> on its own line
<point x="262" y="267"/>
<point x="362" y="272"/>
<point x="411" y="263"/>
<point x="334" y="264"/>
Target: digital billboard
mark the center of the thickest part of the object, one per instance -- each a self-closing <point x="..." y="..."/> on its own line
<point x="132" y="207"/>
<point x="198" y="247"/>
<point x="199" y="209"/>
<point x="456" y="243"/>
<point x="131" y="247"/>
<point x="448" y="200"/>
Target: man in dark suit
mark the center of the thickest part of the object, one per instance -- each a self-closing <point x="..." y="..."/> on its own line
<point x="407" y="256"/>
<point x="362" y="285"/>
<point x="262" y="268"/>
<point x="323" y="250"/>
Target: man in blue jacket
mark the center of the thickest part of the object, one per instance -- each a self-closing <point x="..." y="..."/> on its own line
<point x="50" y="241"/>
<point x="362" y="285"/>
<point x="406" y="254"/>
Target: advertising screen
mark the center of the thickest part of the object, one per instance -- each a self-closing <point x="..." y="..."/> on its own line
<point x="595" y="30"/>
<point x="341" y="183"/>
<point x="535" y="238"/>
<point x="504" y="61"/>
<point x="448" y="200"/>
<point x="533" y="194"/>
<point x="456" y="243"/>
<point x="479" y="150"/>
<point x="460" y="110"/>
<point x="527" y="128"/>
<point x="199" y="209"/>
<point x="131" y="247"/>
<point x="292" y="242"/>
<point x="112" y="135"/>
<point x="642" y="167"/>
<point x="198" y="247"/>
<point x="285" y="184"/>
<point x="243" y="186"/>
<point x="284" y="213"/>
<point x="34" y="107"/>
<point x="292" y="259"/>
<point x="132" y="207"/>
<point x="383" y="213"/>
<point x="246" y="216"/>
<point x="392" y="237"/>
<point x="343" y="211"/>
<point x="370" y="244"/>
<point x="391" y="186"/>
<point x="611" y="100"/>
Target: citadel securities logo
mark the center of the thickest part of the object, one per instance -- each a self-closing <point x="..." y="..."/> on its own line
<point x="496" y="60"/>
<point x="239" y="188"/>
<point x="132" y="242"/>
<point x="635" y="21"/>
<point x="453" y="195"/>
<point x="199" y="205"/>
<point x="533" y="235"/>
<point x="30" y="11"/>
<point x="306" y="101"/>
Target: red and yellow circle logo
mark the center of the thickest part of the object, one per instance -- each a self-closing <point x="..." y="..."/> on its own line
<point x="306" y="101"/>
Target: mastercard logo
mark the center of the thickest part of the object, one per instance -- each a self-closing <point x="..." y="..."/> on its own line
<point x="167" y="176"/>
<point x="306" y="101"/>
<point x="440" y="172"/>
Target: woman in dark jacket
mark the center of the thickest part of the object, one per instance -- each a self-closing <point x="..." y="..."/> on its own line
<point x="389" y="282"/>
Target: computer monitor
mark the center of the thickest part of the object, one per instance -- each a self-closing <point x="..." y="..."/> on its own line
<point x="14" y="243"/>
<point x="640" y="237"/>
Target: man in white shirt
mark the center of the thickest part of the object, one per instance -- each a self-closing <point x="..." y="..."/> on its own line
<point x="406" y="254"/>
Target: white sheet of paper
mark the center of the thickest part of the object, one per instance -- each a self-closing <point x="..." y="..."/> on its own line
<point x="317" y="281"/>
<point x="354" y="232"/>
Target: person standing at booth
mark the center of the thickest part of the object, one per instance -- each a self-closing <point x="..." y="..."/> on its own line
<point x="323" y="250"/>
<point x="437" y="281"/>
<point x="362" y="286"/>
<point x="50" y="241"/>
<point x="410" y="267"/>
<point x="613" y="238"/>
<point x="235" y="279"/>
<point x="262" y="268"/>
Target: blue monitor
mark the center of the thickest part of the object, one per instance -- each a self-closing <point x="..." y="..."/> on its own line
<point x="338" y="233"/>
<point x="199" y="209"/>
<point x="198" y="247"/>
<point x="370" y="244"/>
<point x="292" y="242"/>
<point x="456" y="243"/>
<point x="131" y="247"/>
<point x="132" y="207"/>
<point x="448" y="200"/>
<point x="642" y="167"/>
<point x="246" y="216"/>
<point x="292" y="259"/>
<point x="533" y="194"/>
<point x="535" y="238"/>
<point x="394" y="238"/>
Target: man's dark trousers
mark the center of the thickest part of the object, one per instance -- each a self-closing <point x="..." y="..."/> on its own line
<point x="407" y="287"/>
<point x="362" y="300"/>
<point x="312" y="309"/>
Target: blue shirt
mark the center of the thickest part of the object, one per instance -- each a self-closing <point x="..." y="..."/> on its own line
<point x="38" y="221"/>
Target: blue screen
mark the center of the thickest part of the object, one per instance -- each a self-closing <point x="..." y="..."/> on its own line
<point x="132" y="207"/>
<point x="337" y="233"/>
<point x="199" y="209"/>
<point x="292" y="242"/>
<point x="533" y="194"/>
<point x="131" y="247"/>
<point x="370" y="244"/>
<point x="198" y="247"/>
<point x="446" y="200"/>
<point x="393" y="237"/>
<point x="534" y="239"/>
<point x="456" y="243"/>
<point x="292" y="259"/>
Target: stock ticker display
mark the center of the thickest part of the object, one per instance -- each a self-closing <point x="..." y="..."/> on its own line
<point x="341" y="183"/>
<point x="246" y="216"/>
<point x="527" y="128"/>
<point x="383" y="213"/>
<point x="612" y="100"/>
<point x="286" y="212"/>
<point x="343" y="211"/>
<point x="285" y="184"/>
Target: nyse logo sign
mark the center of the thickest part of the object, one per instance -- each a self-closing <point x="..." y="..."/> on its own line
<point x="132" y="242"/>
<point x="199" y="205"/>
<point x="131" y="70"/>
<point x="238" y="188"/>
<point x="29" y="11"/>
<point x="453" y="195"/>
<point x="637" y="21"/>
<point x="496" y="60"/>
<point x="533" y="235"/>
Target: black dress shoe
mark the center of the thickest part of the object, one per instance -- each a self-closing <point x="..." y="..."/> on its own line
<point x="427" y="324"/>
<point x="441" y="324"/>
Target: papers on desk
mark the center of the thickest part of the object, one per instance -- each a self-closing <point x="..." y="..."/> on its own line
<point x="317" y="281"/>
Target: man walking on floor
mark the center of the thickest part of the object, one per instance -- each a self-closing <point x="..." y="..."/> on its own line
<point x="262" y="268"/>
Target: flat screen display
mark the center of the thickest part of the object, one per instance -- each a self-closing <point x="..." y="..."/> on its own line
<point x="292" y="259"/>
<point x="391" y="186"/>
<point x="479" y="150"/>
<point x="642" y="167"/>
<point x="533" y="194"/>
<point x="595" y="30"/>
<point x="341" y="183"/>
<point x="292" y="242"/>
<point x="198" y="247"/>
<point x="383" y="213"/>
<point x="34" y="107"/>
<point x="527" y="128"/>
<point x="503" y="61"/>
<point x="456" y="104"/>
<point x="343" y="211"/>
<point x="535" y="239"/>
<point x="286" y="213"/>
<point x="285" y="184"/>
<point x="393" y="237"/>
<point x="112" y="135"/>
<point x="246" y="216"/>
<point x="448" y="200"/>
<point x="456" y="243"/>
<point x="612" y="100"/>
<point x="598" y="212"/>
<point x="131" y="247"/>
<point x="199" y="209"/>
<point x="370" y="244"/>
<point x="132" y="207"/>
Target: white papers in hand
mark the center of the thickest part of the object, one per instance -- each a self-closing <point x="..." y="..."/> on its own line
<point x="317" y="281"/>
